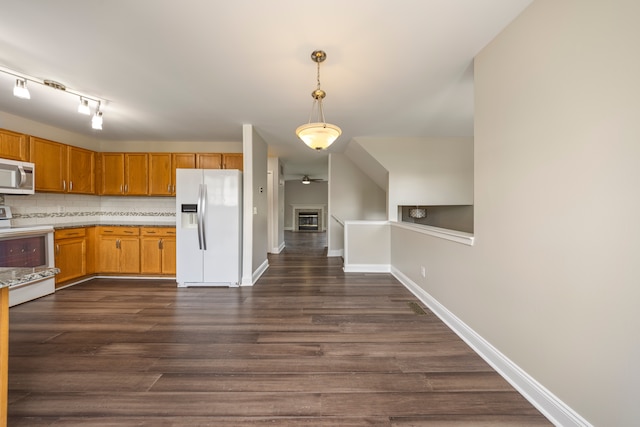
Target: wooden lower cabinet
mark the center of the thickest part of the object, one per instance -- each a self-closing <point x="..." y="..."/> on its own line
<point x="158" y="250"/>
<point x="86" y="251"/>
<point x="118" y="249"/>
<point x="70" y="254"/>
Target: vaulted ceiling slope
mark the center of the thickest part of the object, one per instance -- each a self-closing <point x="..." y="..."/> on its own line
<point x="196" y="70"/>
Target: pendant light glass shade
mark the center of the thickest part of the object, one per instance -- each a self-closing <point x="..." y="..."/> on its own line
<point x="318" y="136"/>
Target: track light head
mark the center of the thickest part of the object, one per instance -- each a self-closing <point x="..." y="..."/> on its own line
<point x="20" y="89"/>
<point x="83" y="107"/>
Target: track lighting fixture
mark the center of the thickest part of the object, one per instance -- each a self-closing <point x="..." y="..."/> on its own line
<point x="96" y="120"/>
<point x="20" y="90"/>
<point x="83" y="107"/>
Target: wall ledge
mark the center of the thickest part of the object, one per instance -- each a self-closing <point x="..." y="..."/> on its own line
<point x="442" y="233"/>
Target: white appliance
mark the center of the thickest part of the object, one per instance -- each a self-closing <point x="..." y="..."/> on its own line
<point x="208" y="227"/>
<point x="16" y="177"/>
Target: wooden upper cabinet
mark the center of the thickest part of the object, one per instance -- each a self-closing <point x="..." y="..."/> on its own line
<point x="111" y="171"/>
<point x="62" y="168"/>
<point x="181" y="161"/>
<point x="232" y="161"/>
<point x="123" y="174"/>
<point x="136" y="170"/>
<point x="209" y="161"/>
<point x="50" y="159"/>
<point x="13" y="145"/>
<point x="160" y="174"/>
<point x="81" y="171"/>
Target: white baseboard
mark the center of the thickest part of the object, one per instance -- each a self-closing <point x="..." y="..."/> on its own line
<point x="257" y="273"/>
<point x="278" y="249"/>
<point x="546" y="402"/>
<point x="367" y="268"/>
<point x="336" y="252"/>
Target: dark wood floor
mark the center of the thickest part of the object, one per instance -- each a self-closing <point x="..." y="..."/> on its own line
<point x="308" y="345"/>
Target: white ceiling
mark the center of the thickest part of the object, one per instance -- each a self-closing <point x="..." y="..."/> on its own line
<point x="196" y="70"/>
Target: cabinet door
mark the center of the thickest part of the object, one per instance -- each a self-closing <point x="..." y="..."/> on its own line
<point x="168" y="253"/>
<point x="109" y="254"/>
<point x="136" y="171"/>
<point x="13" y="145"/>
<point x="111" y="173"/>
<point x="232" y="161"/>
<point x="160" y="181"/>
<point x="181" y="161"/>
<point x="81" y="170"/>
<point x="50" y="159"/>
<point x="129" y="254"/>
<point x="150" y="255"/>
<point x="70" y="256"/>
<point x="209" y="161"/>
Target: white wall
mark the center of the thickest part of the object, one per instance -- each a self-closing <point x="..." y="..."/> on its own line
<point x="552" y="281"/>
<point x="254" y="247"/>
<point x="29" y="127"/>
<point x="352" y="196"/>
<point x="439" y="171"/>
<point x="276" y="205"/>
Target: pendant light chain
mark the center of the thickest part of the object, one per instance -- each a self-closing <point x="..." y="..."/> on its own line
<point x="320" y="109"/>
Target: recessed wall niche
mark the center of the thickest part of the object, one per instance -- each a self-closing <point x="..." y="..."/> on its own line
<point x="451" y="217"/>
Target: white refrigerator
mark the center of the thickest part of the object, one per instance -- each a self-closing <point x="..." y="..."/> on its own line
<point x="208" y="227"/>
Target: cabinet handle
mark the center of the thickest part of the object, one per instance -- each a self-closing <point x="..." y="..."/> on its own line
<point x="126" y="188"/>
<point x="70" y="185"/>
<point x="121" y="188"/>
<point x="64" y="185"/>
<point x="160" y="244"/>
<point x="151" y="232"/>
<point x="168" y="188"/>
<point x="57" y="249"/>
<point x="118" y="244"/>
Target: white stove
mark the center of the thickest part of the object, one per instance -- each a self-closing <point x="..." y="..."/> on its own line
<point x="26" y="255"/>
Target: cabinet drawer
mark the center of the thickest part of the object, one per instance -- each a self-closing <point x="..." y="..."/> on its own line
<point x="157" y="231"/>
<point x="69" y="233"/>
<point x="119" y="231"/>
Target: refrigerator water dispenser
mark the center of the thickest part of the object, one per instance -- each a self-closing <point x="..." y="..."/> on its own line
<point x="189" y="215"/>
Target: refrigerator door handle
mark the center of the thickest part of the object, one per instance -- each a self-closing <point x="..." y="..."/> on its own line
<point x="204" y="215"/>
<point x="199" y="217"/>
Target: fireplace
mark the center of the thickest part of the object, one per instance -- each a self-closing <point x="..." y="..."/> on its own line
<point x="308" y="217"/>
<point x="308" y="221"/>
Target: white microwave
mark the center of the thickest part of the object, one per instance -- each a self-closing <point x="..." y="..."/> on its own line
<point x="16" y="177"/>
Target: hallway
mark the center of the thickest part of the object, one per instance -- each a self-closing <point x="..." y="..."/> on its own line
<point x="308" y="345"/>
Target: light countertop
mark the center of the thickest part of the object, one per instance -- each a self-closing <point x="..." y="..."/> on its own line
<point x="12" y="276"/>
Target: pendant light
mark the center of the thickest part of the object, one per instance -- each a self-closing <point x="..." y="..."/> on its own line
<point x="319" y="134"/>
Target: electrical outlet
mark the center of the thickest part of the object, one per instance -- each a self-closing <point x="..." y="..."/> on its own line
<point x="423" y="271"/>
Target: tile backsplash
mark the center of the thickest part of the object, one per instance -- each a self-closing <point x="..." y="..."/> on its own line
<point x="57" y="209"/>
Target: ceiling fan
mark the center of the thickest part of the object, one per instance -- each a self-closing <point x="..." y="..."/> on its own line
<point x="307" y="180"/>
